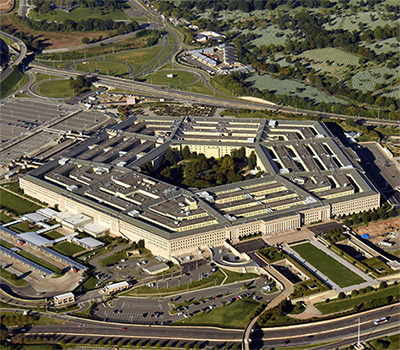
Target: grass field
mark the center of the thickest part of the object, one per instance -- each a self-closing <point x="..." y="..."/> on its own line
<point x="7" y="275"/>
<point x="16" y="204"/>
<point x="137" y="58"/>
<point x="104" y="67"/>
<point x="55" y="88"/>
<point x="179" y="78"/>
<point x="37" y="260"/>
<point x="7" y="40"/>
<point x="5" y="219"/>
<point x="80" y="13"/>
<point x="13" y="82"/>
<point x="68" y="248"/>
<point x="346" y="304"/>
<point x="233" y="315"/>
<point x="113" y="258"/>
<point x="215" y="279"/>
<point x="393" y="341"/>
<point x="235" y="276"/>
<point x="40" y="77"/>
<point x="339" y="57"/>
<point x="52" y="235"/>
<point x="21" y="227"/>
<point x="327" y="265"/>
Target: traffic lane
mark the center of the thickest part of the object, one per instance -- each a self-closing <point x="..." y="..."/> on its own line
<point x="157" y="332"/>
<point x="336" y="341"/>
<point x="315" y="328"/>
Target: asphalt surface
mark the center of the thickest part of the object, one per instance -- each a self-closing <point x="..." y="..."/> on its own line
<point x="4" y="74"/>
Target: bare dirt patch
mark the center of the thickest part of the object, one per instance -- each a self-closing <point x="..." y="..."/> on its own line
<point x="53" y="40"/>
<point x="6" y="5"/>
<point x="379" y="228"/>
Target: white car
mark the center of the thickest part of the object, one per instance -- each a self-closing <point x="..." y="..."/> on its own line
<point x="380" y="321"/>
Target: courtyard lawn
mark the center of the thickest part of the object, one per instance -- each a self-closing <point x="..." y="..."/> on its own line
<point x="393" y="342"/>
<point x="5" y="219"/>
<point x="53" y="235"/>
<point x="68" y="248"/>
<point x="55" y="88"/>
<point x="21" y="227"/>
<point x="233" y="315"/>
<point x="331" y="268"/>
<point x="16" y="204"/>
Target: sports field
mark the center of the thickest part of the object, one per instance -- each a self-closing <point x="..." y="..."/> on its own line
<point x="55" y="88"/>
<point x="331" y="268"/>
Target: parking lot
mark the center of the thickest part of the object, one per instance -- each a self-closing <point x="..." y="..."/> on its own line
<point x="151" y="311"/>
<point x="84" y="120"/>
<point x="21" y="116"/>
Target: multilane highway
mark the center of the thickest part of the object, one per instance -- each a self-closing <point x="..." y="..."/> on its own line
<point x="336" y="332"/>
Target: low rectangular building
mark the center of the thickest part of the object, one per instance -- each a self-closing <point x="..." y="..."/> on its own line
<point x="115" y="287"/>
<point x="63" y="299"/>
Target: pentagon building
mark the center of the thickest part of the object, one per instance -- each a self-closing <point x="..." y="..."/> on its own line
<point x="306" y="178"/>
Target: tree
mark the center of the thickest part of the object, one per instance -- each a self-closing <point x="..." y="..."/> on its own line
<point x="158" y="346"/>
<point x="101" y="343"/>
<point x="85" y="40"/>
<point x="110" y="343"/>
<point x="252" y="161"/>
<point x="355" y="219"/>
<point x="169" y="157"/>
<point x="140" y="243"/>
<point x="187" y="346"/>
<point x="120" y="344"/>
<point x="365" y="218"/>
<point x="341" y="295"/>
<point x="392" y="213"/>
<point x="382" y="214"/>
<point x="62" y="341"/>
<point x="374" y="216"/>
<point x="186" y="152"/>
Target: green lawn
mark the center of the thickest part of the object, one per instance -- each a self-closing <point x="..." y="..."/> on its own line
<point x="179" y="78"/>
<point x="376" y="263"/>
<point x="104" y="67"/>
<point x="21" y="227"/>
<point x="7" y="275"/>
<point x="55" y="88"/>
<point x="5" y="219"/>
<point x="393" y="343"/>
<point x="136" y="58"/>
<point x="40" y="76"/>
<point x="68" y="248"/>
<point x="13" y="82"/>
<point x="113" y="258"/>
<point x="215" y="279"/>
<point x="88" y="284"/>
<point x="338" y="273"/>
<point x="340" y="305"/>
<point x="6" y="244"/>
<point x="7" y="40"/>
<point x="53" y="235"/>
<point x="233" y="315"/>
<point x="235" y="276"/>
<point x="80" y="13"/>
<point x="37" y="260"/>
<point x="16" y="204"/>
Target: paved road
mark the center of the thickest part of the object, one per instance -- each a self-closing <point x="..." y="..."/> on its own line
<point x="340" y="331"/>
<point x="22" y="53"/>
<point x="183" y="96"/>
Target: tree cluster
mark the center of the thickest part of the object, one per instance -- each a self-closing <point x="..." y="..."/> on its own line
<point x="82" y="25"/>
<point x="18" y="319"/>
<point x="80" y="84"/>
<point x="197" y="171"/>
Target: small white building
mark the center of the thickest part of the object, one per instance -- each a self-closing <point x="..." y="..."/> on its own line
<point x="115" y="287"/>
<point x="64" y="299"/>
